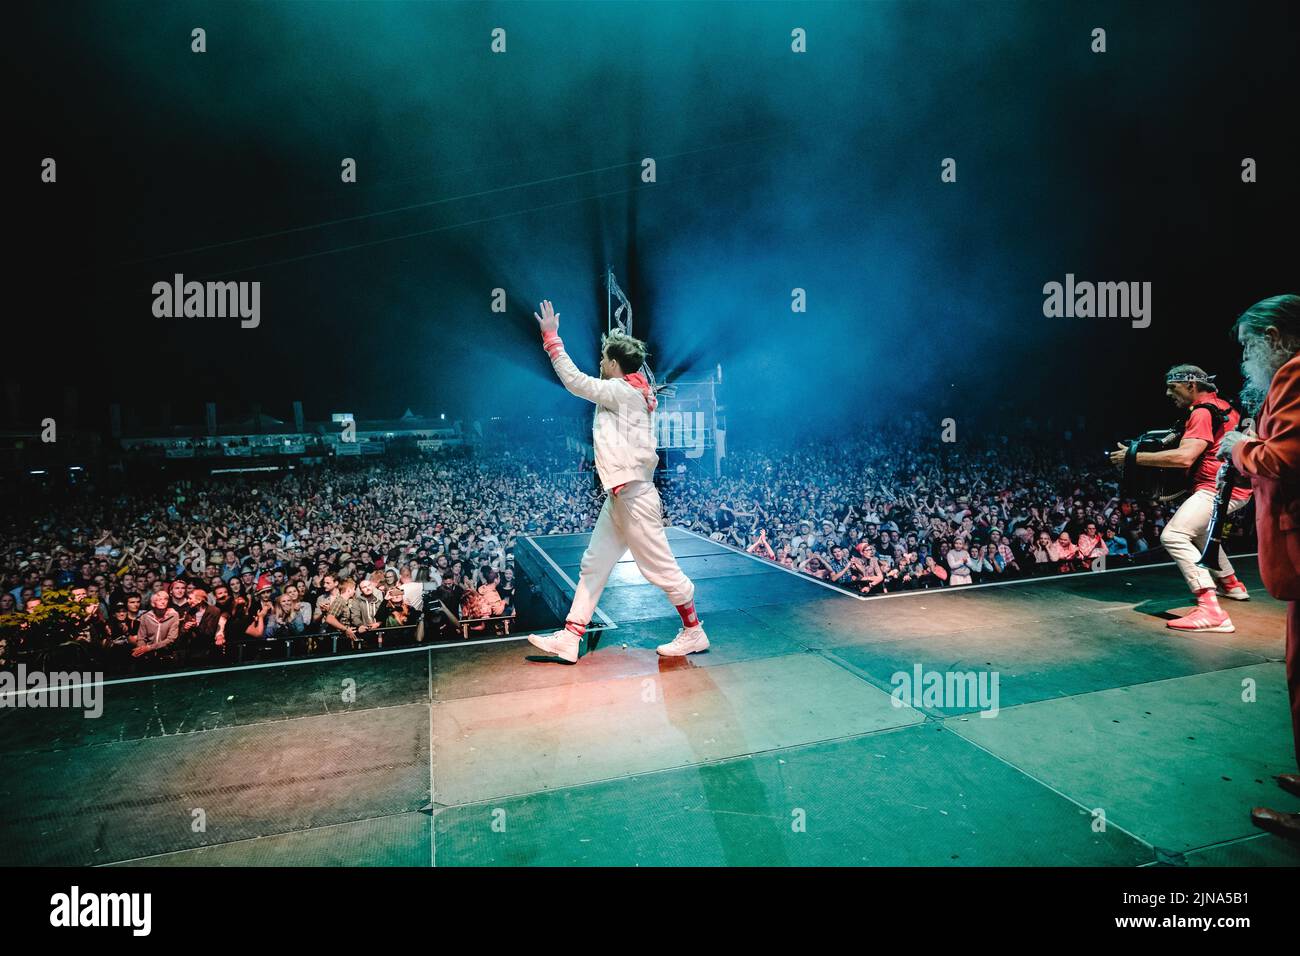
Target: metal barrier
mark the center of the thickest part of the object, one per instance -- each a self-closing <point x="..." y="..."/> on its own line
<point x="429" y="627"/>
<point x="465" y="624"/>
<point x="313" y="641"/>
<point x="335" y="642"/>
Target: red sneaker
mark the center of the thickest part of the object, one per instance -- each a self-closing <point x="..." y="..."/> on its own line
<point x="1203" y="619"/>
<point x="1233" y="591"/>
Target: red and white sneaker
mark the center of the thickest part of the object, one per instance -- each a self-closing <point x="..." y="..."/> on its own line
<point x="1236" y="591"/>
<point x="1203" y="619"/>
<point x="563" y="644"/>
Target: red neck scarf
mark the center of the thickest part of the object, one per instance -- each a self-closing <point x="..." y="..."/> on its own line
<point x="638" y="381"/>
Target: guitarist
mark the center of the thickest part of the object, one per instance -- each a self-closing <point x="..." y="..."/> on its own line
<point x="1209" y="418"/>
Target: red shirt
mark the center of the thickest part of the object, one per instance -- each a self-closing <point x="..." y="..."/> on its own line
<point x="1201" y="425"/>
<point x="1273" y="464"/>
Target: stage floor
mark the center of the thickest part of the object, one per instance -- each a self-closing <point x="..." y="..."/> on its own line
<point x="1117" y="741"/>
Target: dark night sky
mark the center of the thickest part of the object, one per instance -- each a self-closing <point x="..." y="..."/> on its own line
<point x="775" y="170"/>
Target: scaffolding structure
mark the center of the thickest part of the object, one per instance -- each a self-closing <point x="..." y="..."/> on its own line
<point x="688" y="424"/>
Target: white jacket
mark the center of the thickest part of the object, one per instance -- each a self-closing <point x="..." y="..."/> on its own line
<point x="622" y="431"/>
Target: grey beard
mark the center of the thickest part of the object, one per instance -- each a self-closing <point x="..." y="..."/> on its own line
<point x="1259" y="364"/>
<point x="1252" y="398"/>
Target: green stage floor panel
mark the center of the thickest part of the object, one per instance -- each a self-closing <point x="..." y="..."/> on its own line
<point x="186" y="704"/>
<point x="917" y="796"/>
<point x="137" y="798"/>
<point x="689" y="549"/>
<point x="399" y="839"/>
<point x="1045" y="662"/>
<point x="544" y="739"/>
<point x="748" y="592"/>
<point x="503" y="668"/>
<point x="915" y="617"/>
<point x="1177" y="762"/>
<point x="717" y="565"/>
<point x="1262" y="850"/>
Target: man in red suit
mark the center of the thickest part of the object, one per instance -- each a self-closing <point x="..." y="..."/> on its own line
<point x="1269" y="333"/>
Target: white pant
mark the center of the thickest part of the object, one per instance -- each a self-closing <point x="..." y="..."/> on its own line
<point x="631" y="520"/>
<point x="1184" y="538"/>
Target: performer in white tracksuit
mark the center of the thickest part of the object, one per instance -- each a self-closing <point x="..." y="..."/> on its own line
<point x="632" y="516"/>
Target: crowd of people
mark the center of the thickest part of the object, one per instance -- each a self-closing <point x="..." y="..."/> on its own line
<point x="338" y="555"/>
<point x="875" y="514"/>
<point x="351" y="554"/>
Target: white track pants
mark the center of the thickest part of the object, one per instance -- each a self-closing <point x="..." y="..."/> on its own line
<point x="632" y="521"/>
<point x="1184" y="538"/>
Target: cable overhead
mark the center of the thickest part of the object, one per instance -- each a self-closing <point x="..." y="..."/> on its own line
<point x="472" y="222"/>
<point x="325" y="224"/>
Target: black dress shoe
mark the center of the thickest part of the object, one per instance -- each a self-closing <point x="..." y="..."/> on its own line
<point x="1290" y="782"/>
<point x="1279" y="824"/>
